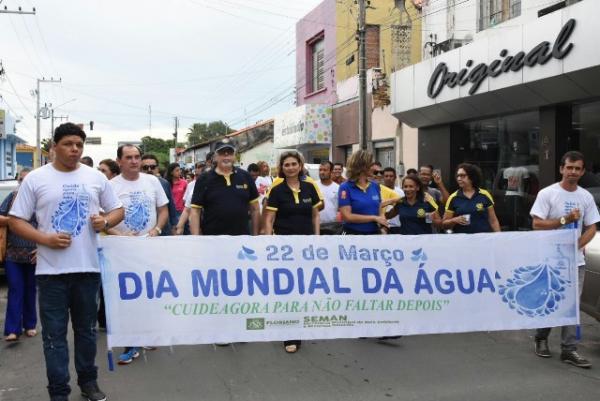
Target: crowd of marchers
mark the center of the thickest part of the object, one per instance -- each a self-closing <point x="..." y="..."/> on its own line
<point x="58" y="212"/>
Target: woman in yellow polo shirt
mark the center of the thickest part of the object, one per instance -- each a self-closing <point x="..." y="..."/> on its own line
<point x="292" y="208"/>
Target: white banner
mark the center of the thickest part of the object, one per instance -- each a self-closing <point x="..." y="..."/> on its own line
<point x="197" y="290"/>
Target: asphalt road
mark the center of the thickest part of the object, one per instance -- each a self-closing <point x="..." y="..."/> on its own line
<point x="473" y="366"/>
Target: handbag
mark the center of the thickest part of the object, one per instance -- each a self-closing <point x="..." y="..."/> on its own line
<point x="3" y="238"/>
<point x="4" y="234"/>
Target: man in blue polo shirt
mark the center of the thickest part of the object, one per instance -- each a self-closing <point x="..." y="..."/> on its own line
<point x="224" y="197"/>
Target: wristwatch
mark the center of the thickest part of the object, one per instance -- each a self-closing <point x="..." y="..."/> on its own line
<point x="563" y="220"/>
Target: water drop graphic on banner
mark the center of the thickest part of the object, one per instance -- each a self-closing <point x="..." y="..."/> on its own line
<point x="536" y="290"/>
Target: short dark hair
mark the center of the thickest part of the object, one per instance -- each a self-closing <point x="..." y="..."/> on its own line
<point x="327" y="163"/>
<point x="338" y="164"/>
<point x="126" y="145"/>
<point x="200" y="164"/>
<point x="429" y="166"/>
<point x="67" y="129"/>
<point x="88" y="161"/>
<point x="253" y="167"/>
<point x="572" y="156"/>
<point x="376" y="163"/>
<point x="473" y="172"/>
<point x="411" y="171"/>
<point x="112" y="166"/>
<point x="393" y="170"/>
<point x="209" y="156"/>
<point x="150" y="156"/>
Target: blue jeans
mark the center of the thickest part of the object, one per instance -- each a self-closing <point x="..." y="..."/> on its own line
<point x="20" y="307"/>
<point x="60" y="294"/>
<point x="568" y="334"/>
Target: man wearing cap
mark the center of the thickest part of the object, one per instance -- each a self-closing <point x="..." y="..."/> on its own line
<point x="225" y="195"/>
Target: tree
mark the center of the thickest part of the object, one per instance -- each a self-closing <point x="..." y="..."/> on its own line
<point x="46" y="144"/>
<point x="201" y="132"/>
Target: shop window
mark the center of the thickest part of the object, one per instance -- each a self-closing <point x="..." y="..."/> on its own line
<point x="317" y="64"/>
<point x="507" y="151"/>
<point x="384" y="153"/>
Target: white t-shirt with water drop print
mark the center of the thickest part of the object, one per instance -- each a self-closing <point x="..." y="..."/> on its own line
<point x="64" y="202"/>
<point x="140" y="199"/>
<point x="554" y="202"/>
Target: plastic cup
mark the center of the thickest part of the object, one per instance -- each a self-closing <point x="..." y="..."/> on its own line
<point x="467" y="218"/>
<point x="428" y="218"/>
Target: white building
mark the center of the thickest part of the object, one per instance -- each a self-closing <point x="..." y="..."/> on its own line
<point x="512" y="101"/>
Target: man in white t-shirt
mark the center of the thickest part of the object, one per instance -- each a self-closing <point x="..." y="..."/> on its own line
<point x="566" y="205"/>
<point x="145" y="204"/>
<point x="66" y="198"/>
<point x="329" y="189"/>
<point x="389" y="180"/>
<point x="143" y="197"/>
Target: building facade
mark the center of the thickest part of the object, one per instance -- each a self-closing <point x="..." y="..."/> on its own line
<point x="512" y="101"/>
<point x="393" y="41"/>
<point x="8" y="145"/>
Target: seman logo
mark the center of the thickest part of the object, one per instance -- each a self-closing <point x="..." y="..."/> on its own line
<point x="479" y="207"/>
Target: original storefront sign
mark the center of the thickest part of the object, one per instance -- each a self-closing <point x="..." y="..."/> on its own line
<point x="540" y="54"/>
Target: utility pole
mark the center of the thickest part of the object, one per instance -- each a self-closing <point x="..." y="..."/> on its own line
<point x="362" y="75"/>
<point x="52" y="118"/>
<point x="38" y="137"/>
<point x="150" y="119"/>
<point x="176" y="121"/>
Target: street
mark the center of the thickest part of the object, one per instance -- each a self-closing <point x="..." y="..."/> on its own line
<point x="470" y="366"/>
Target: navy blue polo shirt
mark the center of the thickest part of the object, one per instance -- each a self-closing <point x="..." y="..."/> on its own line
<point x="293" y="209"/>
<point x="225" y="201"/>
<point x="364" y="201"/>
<point x="413" y="217"/>
<point x="477" y="207"/>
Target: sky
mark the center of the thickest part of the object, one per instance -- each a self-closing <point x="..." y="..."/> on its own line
<point x="200" y="60"/>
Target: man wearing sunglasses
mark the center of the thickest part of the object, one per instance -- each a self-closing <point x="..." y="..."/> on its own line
<point x="150" y="166"/>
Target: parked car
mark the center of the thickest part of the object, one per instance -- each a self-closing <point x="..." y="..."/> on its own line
<point x="590" y="297"/>
<point x="6" y="187"/>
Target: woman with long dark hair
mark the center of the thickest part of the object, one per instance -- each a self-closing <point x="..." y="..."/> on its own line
<point x="292" y="208"/>
<point x="471" y="208"/>
<point x="417" y="210"/>
<point x="178" y="186"/>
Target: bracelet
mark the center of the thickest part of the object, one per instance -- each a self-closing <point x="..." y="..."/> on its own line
<point x="158" y="230"/>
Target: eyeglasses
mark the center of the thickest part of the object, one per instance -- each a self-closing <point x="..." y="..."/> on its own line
<point x="461" y="175"/>
<point x="149" y="167"/>
<point x="378" y="172"/>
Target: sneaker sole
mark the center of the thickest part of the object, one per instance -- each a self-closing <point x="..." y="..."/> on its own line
<point x="543" y="355"/>
<point x="584" y="365"/>
<point x="89" y="399"/>
<point x="128" y="361"/>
